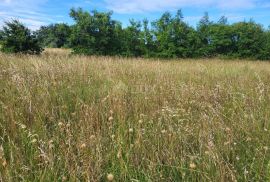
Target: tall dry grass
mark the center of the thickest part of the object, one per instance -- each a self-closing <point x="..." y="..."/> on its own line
<point x="75" y="118"/>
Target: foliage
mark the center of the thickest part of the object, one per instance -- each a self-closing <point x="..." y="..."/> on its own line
<point x="54" y="35"/>
<point x="96" y="33"/>
<point x="16" y="38"/>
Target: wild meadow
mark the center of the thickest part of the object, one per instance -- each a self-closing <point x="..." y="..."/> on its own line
<point x="77" y="118"/>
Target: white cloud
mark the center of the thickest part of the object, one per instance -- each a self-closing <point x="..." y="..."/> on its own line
<point x="27" y="11"/>
<point x="137" y="6"/>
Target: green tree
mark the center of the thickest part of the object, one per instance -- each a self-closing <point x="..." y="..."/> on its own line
<point x="174" y="37"/>
<point x="133" y="41"/>
<point x="149" y="45"/>
<point x="94" y="33"/>
<point x="265" y="54"/>
<point x="54" y="35"/>
<point x="203" y="28"/>
<point x="249" y="40"/>
<point x="16" y="38"/>
<point x="163" y="35"/>
<point x="221" y="38"/>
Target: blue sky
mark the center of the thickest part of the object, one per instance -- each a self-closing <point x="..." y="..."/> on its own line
<point x="35" y="13"/>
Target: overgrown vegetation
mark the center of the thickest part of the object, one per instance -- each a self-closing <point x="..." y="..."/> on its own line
<point x="76" y="118"/>
<point x="16" y="38"/>
<point x="96" y="33"/>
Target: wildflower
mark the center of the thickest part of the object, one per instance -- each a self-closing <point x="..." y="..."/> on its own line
<point x="113" y="136"/>
<point x="130" y="130"/>
<point x="245" y="171"/>
<point x="237" y="158"/>
<point x="140" y="121"/>
<point x="23" y="126"/>
<point x="192" y="165"/>
<point x="60" y="124"/>
<point x="110" y="177"/>
<point x="110" y="118"/>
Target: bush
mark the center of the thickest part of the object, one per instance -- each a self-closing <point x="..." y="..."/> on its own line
<point x="16" y="38"/>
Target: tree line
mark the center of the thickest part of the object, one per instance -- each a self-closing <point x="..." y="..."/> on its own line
<point x="96" y="33"/>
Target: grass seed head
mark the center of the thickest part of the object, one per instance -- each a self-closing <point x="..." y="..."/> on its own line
<point x="83" y="145"/>
<point x="192" y="165"/>
<point x="110" y="177"/>
<point x="110" y="118"/>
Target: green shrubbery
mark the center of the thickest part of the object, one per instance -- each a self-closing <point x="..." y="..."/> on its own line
<point x="96" y="33"/>
<point x="16" y="38"/>
<point x="170" y="36"/>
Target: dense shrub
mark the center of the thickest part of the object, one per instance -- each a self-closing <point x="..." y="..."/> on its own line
<point x="16" y="38"/>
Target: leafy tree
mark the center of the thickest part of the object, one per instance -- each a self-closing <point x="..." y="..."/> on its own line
<point x="164" y="38"/>
<point x="248" y="38"/>
<point x="221" y="38"/>
<point x="265" y="54"/>
<point x="149" y="45"/>
<point x="203" y="28"/>
<point x="16" y="38"/>
<point x="94" y="33"/>
<point x="54" y="35"/>
<point x="133" y="42"/>
<point x="174" y="37"/>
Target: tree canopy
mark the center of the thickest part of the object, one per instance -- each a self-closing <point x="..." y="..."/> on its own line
<point x="97" y="33"/>
<point x="16" y="38"/>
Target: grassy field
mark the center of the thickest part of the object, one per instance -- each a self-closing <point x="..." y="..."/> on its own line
<point x="72" y="118"/>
